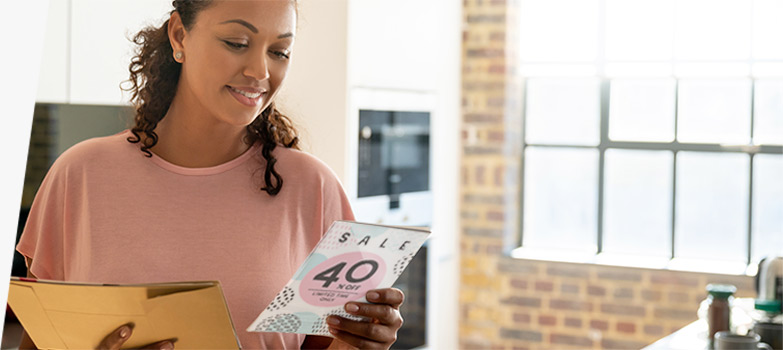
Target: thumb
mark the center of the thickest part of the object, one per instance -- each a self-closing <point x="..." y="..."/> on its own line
<point x="115" y="339"/>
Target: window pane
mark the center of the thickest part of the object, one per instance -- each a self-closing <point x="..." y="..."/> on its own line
<point x="560" y="198"/>
<point x="642" y="110"/>
<point x="639" y="29"/>
<point x="562" y="111"/>
<point x="559" y="30"/>
<point x="712" y="29"/>
<point x="638" y="202"/>
<point x="714" y="111"/>
<point x="767" y="205"/>
<point x="712" y="206"/>
<point x="767" y="29"/>
<point x="768" y="109"/>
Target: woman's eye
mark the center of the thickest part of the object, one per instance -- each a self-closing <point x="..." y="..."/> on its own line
<point x="281" y="55"/>
<point x="234" y="45"/>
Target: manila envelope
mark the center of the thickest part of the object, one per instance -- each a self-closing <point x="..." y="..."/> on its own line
<point x="63" y="315"/>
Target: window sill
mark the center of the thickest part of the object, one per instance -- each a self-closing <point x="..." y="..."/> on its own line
<point x="637" y="261"/>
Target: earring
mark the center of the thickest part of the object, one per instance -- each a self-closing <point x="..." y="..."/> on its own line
<point x="178" y="55"/>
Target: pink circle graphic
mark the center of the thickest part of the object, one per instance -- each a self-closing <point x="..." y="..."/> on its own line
<point x="342" y="278"/>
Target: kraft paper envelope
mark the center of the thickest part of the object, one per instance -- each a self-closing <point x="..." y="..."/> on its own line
<point x="62" y="315"/>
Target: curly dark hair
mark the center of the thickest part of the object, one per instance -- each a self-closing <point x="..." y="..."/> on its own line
<point x="154" y="75"/>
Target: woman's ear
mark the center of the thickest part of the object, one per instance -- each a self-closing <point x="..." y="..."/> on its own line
<point x="176" y="32"/>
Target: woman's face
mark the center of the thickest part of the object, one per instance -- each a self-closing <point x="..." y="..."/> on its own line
<point x="236" y="56"/>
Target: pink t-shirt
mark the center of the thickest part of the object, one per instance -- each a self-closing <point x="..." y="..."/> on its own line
<point x="106" y="213"/>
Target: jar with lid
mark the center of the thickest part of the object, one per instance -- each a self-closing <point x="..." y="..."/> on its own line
<point x="719" y="299"/>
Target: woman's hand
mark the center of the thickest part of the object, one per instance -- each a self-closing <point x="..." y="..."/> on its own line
<point x="380" y="332"/>
<point x="115" y="339"/>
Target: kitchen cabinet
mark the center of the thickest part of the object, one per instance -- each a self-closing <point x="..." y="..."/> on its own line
<point x="53" y="77"/>
<point x="88" y="48"/>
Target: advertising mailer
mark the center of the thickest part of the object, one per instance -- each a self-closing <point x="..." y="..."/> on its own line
<point x="351" y="259"/>
<point x="64" y="315"/>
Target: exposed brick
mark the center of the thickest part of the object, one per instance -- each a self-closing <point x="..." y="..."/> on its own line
<point x="518" y="283"/>
<point x="623" y="293"/>
<point x="520" y="335"/>
<point x="497" y="36"/>
<point x="654" y="330"/>
<point x="562" y="304"/>
<point x="480" y="170"/>
<point x="575" y="272"/>
<point x="469" y="215"/>
<point x="497" y="102"/>
<point x="626" y="327"/>
<point x="483" y="18"/>
<point x="675" y="314"/>
<point x="544" y="286"/>
<point x="496" y="215"/>
<point x="517" y="266"/>
<point x="482" y="232"/>
<point x="485" y="53"/>
<point x="519" y="348"/>
<point x="599" y="325"/>
<point x="546" y="320"/>
<point x="522" y="301"/>
<point x="499" y="176"/>
<point x="497" y="69"/>
<point x="556" y="338"/>
<point x="481" y="150"/>
<point x="623" y="310"/>
<point x="608" y="343"/>
<point x="483" y="118"/>
<point x="678" y="297"/>
<point x="484" y="86"/>
<point x="569" y="288"/>
<point x="521" y="318"/>
<point x="620" y="276"/>
<point x="672" y="278"/>
<point x="573" y="322"/>
<point x="596" y="291"/>
<point x="494" y="249"/>
<point x="651" y="295"/>
<point x="483" y="199"/>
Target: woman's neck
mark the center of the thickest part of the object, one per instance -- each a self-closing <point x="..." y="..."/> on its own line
<point x="191" y="140"/>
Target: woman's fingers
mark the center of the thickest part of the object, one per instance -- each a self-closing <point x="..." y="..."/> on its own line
<point x="351" y="333"/>
<point x="389" y="296"/>
<point x="385" y="314"/>
<point x="161" y="345"/>
<point x="115" y="339"/>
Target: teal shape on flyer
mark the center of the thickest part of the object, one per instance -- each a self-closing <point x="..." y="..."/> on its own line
<point x="312" y="261"/>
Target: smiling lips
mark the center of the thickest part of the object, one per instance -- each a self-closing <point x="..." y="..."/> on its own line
<point x="247" y="96"/>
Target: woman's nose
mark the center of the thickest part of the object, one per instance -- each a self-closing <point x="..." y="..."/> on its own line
<point x="257" y="68"/>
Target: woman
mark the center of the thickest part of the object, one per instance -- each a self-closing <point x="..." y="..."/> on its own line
<point x="208" y="184"/>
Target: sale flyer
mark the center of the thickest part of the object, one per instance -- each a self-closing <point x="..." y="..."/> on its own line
<point x="351" y="259"/>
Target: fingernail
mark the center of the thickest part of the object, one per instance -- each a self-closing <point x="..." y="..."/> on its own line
<point x="124" y="331"/>
<point x="167" y="346"/>
<point x="373" y="295"/>
<point x="333" y="321"/>
<point x="352" y="307"/>
<point x="332" y="330"/>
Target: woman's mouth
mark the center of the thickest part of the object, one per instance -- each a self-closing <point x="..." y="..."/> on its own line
<point x="247" y="96"/>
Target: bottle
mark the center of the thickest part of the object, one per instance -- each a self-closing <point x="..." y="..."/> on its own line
<point x="719" y="300"/>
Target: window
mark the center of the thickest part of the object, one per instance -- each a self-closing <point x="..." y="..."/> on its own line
<point x="653" y="131"/>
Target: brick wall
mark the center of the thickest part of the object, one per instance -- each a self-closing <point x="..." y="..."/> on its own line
<point x="516" y="304"/>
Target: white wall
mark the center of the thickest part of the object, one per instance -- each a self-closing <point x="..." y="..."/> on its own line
<point x="314" y="93"/>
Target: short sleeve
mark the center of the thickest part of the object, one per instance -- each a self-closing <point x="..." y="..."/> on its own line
<point x="336" y="204"/>
<point x="42" y="239"/>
